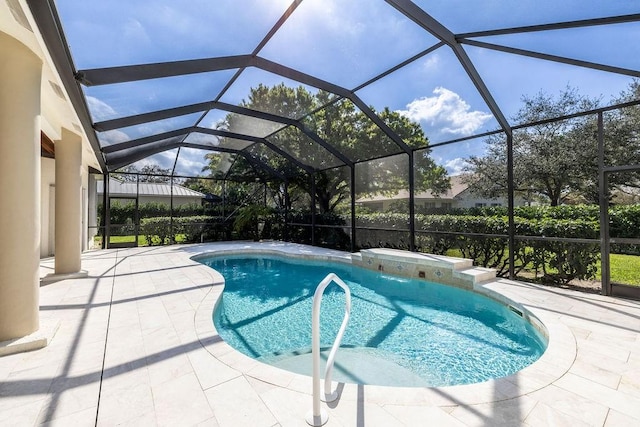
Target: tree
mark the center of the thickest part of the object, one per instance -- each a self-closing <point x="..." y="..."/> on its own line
<point x="556" y="160"/>
<point x="346" y="128"/>
<point x="148" y="173"/>
<point x="622" y="143"/>
<point x="206" y="186"/>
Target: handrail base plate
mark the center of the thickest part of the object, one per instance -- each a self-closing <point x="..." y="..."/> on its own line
<point x="317" y="421"/>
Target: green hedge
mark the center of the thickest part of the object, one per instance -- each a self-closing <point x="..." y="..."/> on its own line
<point x="122" y="213"/>
<point x="558" y="262"/>
<point x="192" y="229"/>
<point x="624" y="219"/>
<point x="330" y="237"/>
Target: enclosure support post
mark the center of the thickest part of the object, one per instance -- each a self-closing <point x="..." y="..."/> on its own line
<point x="106" y="212"/>
<point x="412" y="204"/>
<point x="224" y="196"/>
<point x="171" y="235"/>
<point x="136" y="216"/>
<point x="286" y="212"/>
<point x="604" y="212"/>
<point x="353" y="208"/>
<point x="313" y="209"/>
<point x="510" y="206"/>
<point x="264" y="196"/>
<point x="92" y="206"/>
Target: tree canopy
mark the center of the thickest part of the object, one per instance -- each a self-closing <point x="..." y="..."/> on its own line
<point x="343" y="126"/>
<point x="148" y="173"/>
<point x="558" y="160"/>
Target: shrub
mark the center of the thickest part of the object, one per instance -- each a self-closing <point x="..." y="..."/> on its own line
<point x="559" y="261"/>
<point x="333" y="236"/>
<point x="156" y="230"/>
<point x="192" y="229"/>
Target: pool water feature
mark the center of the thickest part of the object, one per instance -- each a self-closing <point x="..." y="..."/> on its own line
<point x="402" y="332"/>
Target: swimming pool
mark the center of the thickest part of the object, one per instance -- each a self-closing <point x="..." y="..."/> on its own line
<point x="403" y="332"/>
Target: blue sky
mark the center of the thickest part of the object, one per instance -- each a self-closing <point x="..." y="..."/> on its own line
<point x="346" y="42"/>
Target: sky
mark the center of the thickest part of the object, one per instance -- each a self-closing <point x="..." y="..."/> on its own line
<point x="346" y="42"/>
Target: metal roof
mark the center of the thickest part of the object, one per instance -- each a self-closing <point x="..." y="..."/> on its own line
<point x="130" y="189"/>
<point x="172" y="99"/>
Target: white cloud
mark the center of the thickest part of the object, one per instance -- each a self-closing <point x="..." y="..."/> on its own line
<point x="456" y="166"/>
<point x="447" y="111"/>
<point x="204" y="139"/>
<point x="100" y="110"/>
<point x="164" y="160"/>
<point x="190" y="162"/>
<point x="431" y="62"/>
<point x="113" y="137"/>
<point x="133" y="29"/>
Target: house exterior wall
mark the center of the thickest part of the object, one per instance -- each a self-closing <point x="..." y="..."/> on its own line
<point x="47" y="190"/>
<point x="470" y="202"/>
<point x="47" y="208"/>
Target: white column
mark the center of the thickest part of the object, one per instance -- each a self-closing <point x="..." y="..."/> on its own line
<point x="68" y="238"/>
<point x="20" y="80"/>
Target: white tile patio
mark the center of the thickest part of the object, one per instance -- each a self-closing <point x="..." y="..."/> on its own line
<point x="136" y="346"/>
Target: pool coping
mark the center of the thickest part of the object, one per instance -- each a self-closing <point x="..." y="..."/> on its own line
<point x="552" y="365"/>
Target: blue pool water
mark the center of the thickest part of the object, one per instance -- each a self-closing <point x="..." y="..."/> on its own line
<point x="402" y="332"/>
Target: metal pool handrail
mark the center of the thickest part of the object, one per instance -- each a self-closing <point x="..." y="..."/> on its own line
<point x="319" y="416"/>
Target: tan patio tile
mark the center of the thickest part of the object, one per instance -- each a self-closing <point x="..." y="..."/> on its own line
<point x="421" y="415"/>
<point x="211" y="422"/>
<point x="180" y="401"/>
<point x="596" y="373"/>
<point x="617" y="419"/>
<point x="125" y="405"/>
<point x="162" y="369"/>
<point x="68" y="396"/>
<point x="630" y="382"/>
<point x="287" y="406"/>
<point x="209" y="370"/>
<point x="235" y="403"/>
<point x="501" y="413"/>
<point x="595" y="392"/>
<point x="84" y="418"/>
<point x="354" y="413"/>
<point x="20" y="412"/>
<point x="609" y="351"/>
<point x="142" y="419"/>
<point x="121" y="377"/>
<point x="572" y="404"/>
<point x="542" y="415"/>
<point x="162" y="313"/>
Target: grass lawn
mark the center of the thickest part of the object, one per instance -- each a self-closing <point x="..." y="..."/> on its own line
<point x="142" y="240"/>
<point x="624" y="269"/>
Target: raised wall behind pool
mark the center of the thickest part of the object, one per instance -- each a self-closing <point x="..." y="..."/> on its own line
<point x="458" y="272"/>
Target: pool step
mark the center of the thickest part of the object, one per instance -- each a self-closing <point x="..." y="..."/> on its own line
<point x="452" y="271"/>
<point x="356" y="365"/>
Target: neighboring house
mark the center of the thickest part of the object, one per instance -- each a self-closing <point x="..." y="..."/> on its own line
<point x="151" y="192"/>
<point x="625" y="195"/>
<point x="458" y="196"/>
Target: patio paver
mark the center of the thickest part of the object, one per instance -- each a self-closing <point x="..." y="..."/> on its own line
<point x="136" y="346"/>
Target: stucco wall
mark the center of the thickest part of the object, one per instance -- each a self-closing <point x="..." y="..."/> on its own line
<point x="47" y="207"/>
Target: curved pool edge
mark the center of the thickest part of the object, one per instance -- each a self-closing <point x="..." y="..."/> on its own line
<point x="552" y="365"/>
